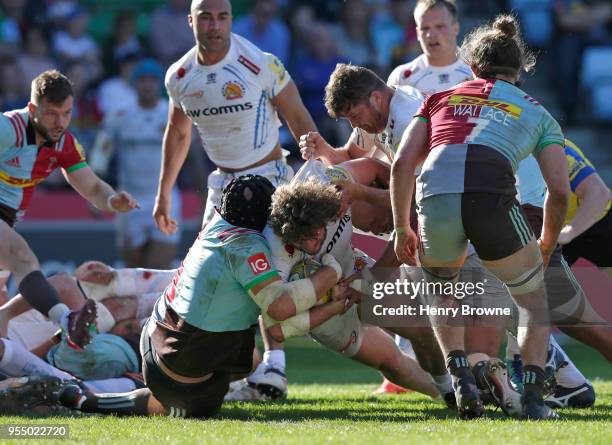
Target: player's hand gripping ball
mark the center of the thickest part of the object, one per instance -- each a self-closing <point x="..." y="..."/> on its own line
<point x="304" y="269"/>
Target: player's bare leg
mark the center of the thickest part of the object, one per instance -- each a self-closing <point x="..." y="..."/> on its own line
<point x="378" y="350"/>
<point x="521" y="272"/>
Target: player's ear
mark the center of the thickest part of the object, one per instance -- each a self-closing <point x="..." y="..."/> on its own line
<point x="31" y="108"/>
<point x="376" y="97"/>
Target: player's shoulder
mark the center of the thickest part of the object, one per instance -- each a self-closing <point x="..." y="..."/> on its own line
<point x="249" y="55"/>
<point x="402" y="74"/>
<point x="14" y="126"/>
<point x="463" y="68"/>
<point x="278" y="247"/>
<point x="407" y="92"/>
<point x="181" y="68"/>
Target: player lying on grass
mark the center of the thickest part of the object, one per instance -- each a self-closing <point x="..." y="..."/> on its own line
<point x="201" y="333"/>
<point x="34" y="349"/>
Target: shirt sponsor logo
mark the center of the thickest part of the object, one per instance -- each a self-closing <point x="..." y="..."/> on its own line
<point x="259" y="263"/>
<point x="506" y="107"/>
<point x="249" y="65"/>
<point x="341" y="225"/>
<point x="233" y="90"/>
<point x="215" y="111"/>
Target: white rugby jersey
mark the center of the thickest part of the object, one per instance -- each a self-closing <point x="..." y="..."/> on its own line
<point x="430" y="79"/>
<point x="404" y="104"/>
<point x="337" y="240"/>
<point x="136" y="134"/>
<point x="230" y="102"/>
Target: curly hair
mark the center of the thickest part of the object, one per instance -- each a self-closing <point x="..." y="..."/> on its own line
<point x="300" y="209"/>
<point x="349" y="85"/>
<point x="497" y="48"/>
<point x="52" y="85"/>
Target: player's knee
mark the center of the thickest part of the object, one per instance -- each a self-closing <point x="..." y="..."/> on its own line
<point x="64" y="284"/>
<point x="22" y="260"/>
<point x="441" y="274"/>
<point x="528" y="282"/>
<point x="391" y="362"/>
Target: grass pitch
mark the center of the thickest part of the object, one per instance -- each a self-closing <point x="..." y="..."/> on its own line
<point x="330" y="402"/>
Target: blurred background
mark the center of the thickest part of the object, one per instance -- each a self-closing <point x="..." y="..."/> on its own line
<point x="97" y="43"/>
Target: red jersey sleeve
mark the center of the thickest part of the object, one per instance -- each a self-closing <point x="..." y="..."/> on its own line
<point x="423" y="111"/>
<point x="73" y="154"/>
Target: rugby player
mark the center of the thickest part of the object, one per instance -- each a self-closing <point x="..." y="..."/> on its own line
<point x="496" y="55"/>
<point x="33" y="143"/>
<point x="231" y="91"/>
<point x="309" y="220"/>
<point x="135" y="135"/>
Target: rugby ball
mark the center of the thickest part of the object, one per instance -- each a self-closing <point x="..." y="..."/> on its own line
<point x="304" y="269"/>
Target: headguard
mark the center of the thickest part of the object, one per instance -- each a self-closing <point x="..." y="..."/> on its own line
<point x="246" y="201"/>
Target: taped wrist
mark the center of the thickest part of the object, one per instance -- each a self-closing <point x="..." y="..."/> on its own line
<point x="302" y="293"/>
<point x="296" y="326"/>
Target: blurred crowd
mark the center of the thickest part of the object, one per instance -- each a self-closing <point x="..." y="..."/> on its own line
<point x="97" y="43"/>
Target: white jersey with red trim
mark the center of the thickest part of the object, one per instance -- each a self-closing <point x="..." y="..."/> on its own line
<point x="404" y="104"/>
<point x="430" y="79"/>
<point x="230" y="102"/>
<point x="338" y="235"/>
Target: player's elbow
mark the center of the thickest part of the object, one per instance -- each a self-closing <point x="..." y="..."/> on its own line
<point x="282" y="309"/>
<point x="559" y="190"/>
<point x="603" y="195"/>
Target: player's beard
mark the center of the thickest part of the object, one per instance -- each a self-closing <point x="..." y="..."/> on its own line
<point x="44" y="132"/>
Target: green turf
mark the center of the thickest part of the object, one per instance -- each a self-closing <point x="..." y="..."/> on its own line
<point x="339" y="408"/>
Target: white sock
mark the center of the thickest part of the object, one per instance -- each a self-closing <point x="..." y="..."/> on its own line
<point x="104" y="320"/>
<point x="261" y="368"/>
<point x="18" y="362"/>
<point x="58" y="314"/>
<point x="443" y="383"/>
<point x="405" y="346"/>
<point x="512" y="347"/>
<point x="569" y="376"/>
<point x="120" y="384"/>
<point x="275" y="359"/>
